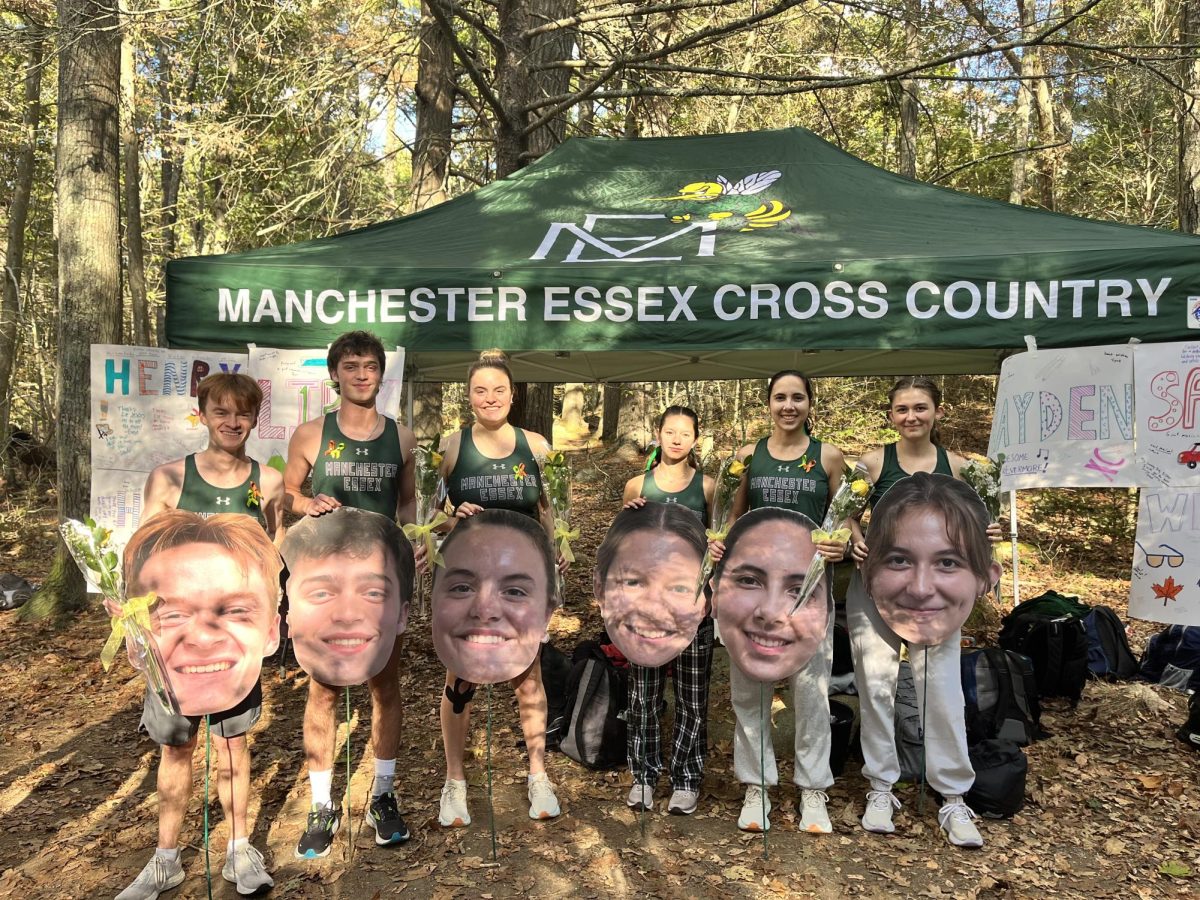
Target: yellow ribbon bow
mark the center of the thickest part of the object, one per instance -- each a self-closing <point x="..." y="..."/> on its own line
<point x="716" y="534"/>
<point x="564" y="534"/>
<point x="424" y="533"/>
<point x="841" y="535"/>
<point x="135" y="610"/>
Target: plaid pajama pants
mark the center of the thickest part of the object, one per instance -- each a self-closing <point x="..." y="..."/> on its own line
<point x="689" y="746"/>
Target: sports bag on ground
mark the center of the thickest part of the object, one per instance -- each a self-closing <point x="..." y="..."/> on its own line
<point x="597" y="703"/>
<point x="1000" y="770"/>
<point x="1172" y="658"/>
<point x="1190" y="732"/>
<point x="1049" y="630"/>
<point x="1001" y="696"/>
<point x="1109" y="655"/>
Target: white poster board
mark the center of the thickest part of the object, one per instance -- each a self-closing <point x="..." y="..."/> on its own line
<point x="1065" y="418"/>
<point x="1165" y="585"/>
<point x="1167" y="389"/>
<point x="143" y="415"/>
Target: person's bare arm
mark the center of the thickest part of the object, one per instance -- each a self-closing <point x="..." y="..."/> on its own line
<point x="302" y="455"/>
<point x="406" y="510"/>
<point x="163" y="488"/>
<point x="632" y="497"/>
<point x="273" y="500"/>
<point x="872" y="461"/>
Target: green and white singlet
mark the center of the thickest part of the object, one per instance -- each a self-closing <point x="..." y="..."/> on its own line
<point x="198" y="496"/>
<point x="799" y="484"/>
<point x="890" y="472"/>
<point x="362" y="474"/>
<point x="509" y="483"/>
<point x="691" y="496"/>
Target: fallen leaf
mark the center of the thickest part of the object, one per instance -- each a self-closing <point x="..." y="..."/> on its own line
<point x="1175" y="869"/>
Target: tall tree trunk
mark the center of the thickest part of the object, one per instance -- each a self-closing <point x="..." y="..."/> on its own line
<point x="1020" y="169"/>
<point x="1033" y="67"/>
<point x="610" y="414"/>
<point x="1189" y="121"/>
<point x="533" y="408"/>
<point x="633" y="423"/>
<point x="435" y="114"/>
<point x="905" y="90"/>
<point x="18" y="213"/>
<point x="552" y="46"/>
<point x="88" y="188"/>
<point x="574" y="400"/>
<point x="131" y="157"/>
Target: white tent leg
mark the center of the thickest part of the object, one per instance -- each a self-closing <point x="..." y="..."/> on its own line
<point x="1012" y="530"/>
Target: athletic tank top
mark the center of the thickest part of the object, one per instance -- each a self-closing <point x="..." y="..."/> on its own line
<point x="509" y="483"/>
<point x="362" y="474"/>
<point x="799" y="484"/>
<point x="891" y="472"/>
<point x="198" y="496"/>
<point x="691" y="496"/>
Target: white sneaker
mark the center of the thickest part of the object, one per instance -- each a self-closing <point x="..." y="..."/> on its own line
<point x="543" y="803"/>
<point x="815" y="818"/>
<point x="955" y="818"/>
<point x="755" y="810"/>
<point x="453" y="812"/>
<point x="158" y="875"/>
<point x="878" y="817"/>
<point x="246" y="869"/>
<point x="641" y="796"/>
<point x="683" y="803"/>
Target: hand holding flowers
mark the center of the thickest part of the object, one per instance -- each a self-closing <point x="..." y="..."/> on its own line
<point x="849" y="500"/>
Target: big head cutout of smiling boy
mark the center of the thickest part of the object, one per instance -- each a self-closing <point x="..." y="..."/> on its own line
<point x="216" y="613"/>
<point x="350" y="579"/>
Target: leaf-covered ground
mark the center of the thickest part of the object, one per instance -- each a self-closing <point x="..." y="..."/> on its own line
<point x="1111" y="799"/>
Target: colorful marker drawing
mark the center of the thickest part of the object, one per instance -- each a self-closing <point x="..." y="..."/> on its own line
<point x="1106" y="467"/>
<point x="1190" y="458"/>
<point x="1171" y="557"/>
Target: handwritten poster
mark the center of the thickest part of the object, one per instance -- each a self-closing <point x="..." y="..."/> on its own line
<point x="1165" y="585"/>
<point x="296" y="388"/>
<point x="143" y="415"/>
<point x="1065" y="418"/>
<point x="1167" y="390"/>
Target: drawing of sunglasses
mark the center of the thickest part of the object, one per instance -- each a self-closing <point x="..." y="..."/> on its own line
<point x="1172" y="557"/>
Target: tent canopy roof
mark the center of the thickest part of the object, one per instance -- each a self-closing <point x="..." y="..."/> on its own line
<point x="702" y="257"/>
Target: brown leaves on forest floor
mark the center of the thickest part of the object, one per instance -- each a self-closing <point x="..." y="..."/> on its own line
<point x="1111" y="806"/>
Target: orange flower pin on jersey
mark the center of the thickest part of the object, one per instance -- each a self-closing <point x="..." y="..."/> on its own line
<point x="1168" y="590"/>
<point x="519" y="471"/>
<point x="335" y="448"/>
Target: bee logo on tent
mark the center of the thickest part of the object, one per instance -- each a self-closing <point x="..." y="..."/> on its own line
<point x="687" y="228"/>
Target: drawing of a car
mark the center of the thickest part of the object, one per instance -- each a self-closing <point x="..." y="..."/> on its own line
<point x="1191" y="457"/>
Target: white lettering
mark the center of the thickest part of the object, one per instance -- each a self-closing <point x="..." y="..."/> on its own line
<point x="230" y="310"/>
<point x="910" y="300"/>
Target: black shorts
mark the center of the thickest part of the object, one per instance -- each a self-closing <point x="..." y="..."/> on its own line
<point x="177" y="731"/>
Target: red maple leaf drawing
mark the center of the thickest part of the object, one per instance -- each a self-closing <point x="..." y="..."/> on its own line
<point x="1168" y="590"/>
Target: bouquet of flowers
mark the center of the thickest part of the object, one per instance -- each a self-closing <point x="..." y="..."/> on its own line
<point x="984" y="477"/>
<point x="91" y="548"/>
<point x="556" y="481"/>
<point x="729" y="479"/>
<point x="431" y="490"/>
<point x="849" y="500"/>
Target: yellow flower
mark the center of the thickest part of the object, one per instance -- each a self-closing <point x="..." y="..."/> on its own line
<point x="737" y="468"/>
<point x="435" y="458"/>
<point x="860" y="487"/>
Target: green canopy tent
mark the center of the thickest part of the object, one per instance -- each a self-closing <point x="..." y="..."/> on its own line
<point x="702" y="257"/>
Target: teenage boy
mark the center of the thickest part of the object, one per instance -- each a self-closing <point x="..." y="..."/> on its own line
<point x="219" y="479"/>
<point x="357" y="457"/>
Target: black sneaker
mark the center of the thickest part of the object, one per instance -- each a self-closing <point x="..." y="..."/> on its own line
<point x="384" y="817"/>
<point x="323" y="823"/>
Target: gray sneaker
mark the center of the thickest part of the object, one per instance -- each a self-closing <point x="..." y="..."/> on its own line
<point x="683" y="802"/>
<point x="245" y="868"/>
<point x="159" y="875"/>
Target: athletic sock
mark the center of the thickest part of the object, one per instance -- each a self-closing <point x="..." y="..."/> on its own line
<point x="385" y="776"/>
<point x="321" y="785"/>
<point x="171" y="855"/>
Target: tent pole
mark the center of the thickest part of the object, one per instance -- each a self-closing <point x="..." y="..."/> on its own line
<point x="1012" y="530"/>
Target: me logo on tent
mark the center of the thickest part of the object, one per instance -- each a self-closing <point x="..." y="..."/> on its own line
<point x="700" y="208"/>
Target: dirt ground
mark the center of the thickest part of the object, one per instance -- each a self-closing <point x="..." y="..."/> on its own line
<point x="1111" y="805"/>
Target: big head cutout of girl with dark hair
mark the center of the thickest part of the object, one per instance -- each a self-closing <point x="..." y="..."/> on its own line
<point x="216" y="612"/>
<point x="755" y="585"/>
<point x="350" y="579"/>
<point x="645" y="581"/>
<point x="930" y="557"/>
<point x="493" y="598"/>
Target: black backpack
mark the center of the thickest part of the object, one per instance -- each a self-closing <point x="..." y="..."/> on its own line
<point x="1001" y="696"/>
<point x="596" y="705"/>
<point x="1172" y="658"/>
<point x="910" y="738"/>
<point x="556" y="675"/>
<point x="1190" y="732"/>
<point x="1000" y="770"/>
<point x="1109" y="655"/>
<point x="1057" y="644"/>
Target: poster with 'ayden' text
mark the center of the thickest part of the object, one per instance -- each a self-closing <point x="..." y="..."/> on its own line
<point x="1167" y="391"/>
<point x="1165" y="585"/>
<point x="1065" y="418"/>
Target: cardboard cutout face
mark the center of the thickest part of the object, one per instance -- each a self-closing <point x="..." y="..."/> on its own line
<point x="920" y="575"/>
<point x="215" y="618"/>
<point x="350" y="574"/>
<point x="492" y="601"/>
<point x="648" y="596"/>
<point x="767" y="556"/>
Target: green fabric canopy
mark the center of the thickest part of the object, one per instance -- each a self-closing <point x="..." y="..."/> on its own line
<point x="702" y="257"/>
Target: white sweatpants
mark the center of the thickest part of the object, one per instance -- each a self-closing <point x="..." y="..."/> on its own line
<point x="752" y="708"/>
<point x="938" y="678"/>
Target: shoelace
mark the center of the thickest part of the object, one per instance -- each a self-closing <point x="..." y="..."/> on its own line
<point x="161" y="875"/>
<point x="882" y="799"/>
<point x="322" y="819"/>
<point x="454" y="790"/>
<point x="959" y="812"/>
<point x="386" y="804"/>
<point x="811" y="798"/>
<point x="541" y="790"/>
